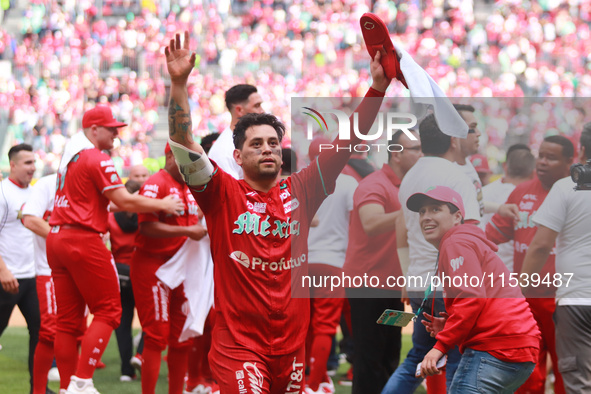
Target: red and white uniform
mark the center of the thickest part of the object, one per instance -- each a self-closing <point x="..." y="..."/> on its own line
<point x="529" y="196"/>
<point x="82" y="267"/>
<point x="79" y="260"/>
<point x="160" y="308"/>
<point x="475" y="311"/>
<point x="259" y="249"/>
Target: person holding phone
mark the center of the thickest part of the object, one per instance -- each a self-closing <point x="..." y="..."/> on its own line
<point x="486" y="317"/>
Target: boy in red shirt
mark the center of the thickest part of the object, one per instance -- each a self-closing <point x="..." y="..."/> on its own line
<point x="491" y="323"/>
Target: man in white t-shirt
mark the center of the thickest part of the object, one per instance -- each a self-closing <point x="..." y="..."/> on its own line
<point x="436" y="168"/>
<point x="565" y="217"/>
<point x="35" y="217"/>
<point x="17" y="266"/>
<point x="469" y="146"/>
<point x="241" y="100"/>
<point x="519" y="167"/>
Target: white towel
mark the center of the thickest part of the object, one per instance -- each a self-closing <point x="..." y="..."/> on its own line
<point x="425" y="91"/>
<point x="75" y="145"/>
<point x="191" y="265"/>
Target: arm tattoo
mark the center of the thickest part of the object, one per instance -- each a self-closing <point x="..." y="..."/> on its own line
<point x="179" y="123"/>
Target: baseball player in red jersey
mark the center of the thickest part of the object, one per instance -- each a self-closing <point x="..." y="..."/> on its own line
<point x="160" y="308"/>
<point x="258" y="228"/>
<point x="496" y="358"/>
<point x="554" y="159"/>
<point x="82" y="267"/>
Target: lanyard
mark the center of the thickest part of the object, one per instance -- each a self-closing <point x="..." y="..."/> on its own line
<point x="429" y="293"/>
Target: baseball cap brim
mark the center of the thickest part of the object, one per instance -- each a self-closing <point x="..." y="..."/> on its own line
<point x="114" y="124"/>
<point x="440" y="194"/>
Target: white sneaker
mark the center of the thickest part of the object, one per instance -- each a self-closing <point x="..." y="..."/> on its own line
<point x="136" y="361"/>
<point x="323" y="388"/>
<point x="53" y="375"/>
<point x="81" y="386"/>
<point x="63" y="391"/>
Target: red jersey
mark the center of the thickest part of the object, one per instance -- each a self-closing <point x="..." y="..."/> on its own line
<point x="528" y="196"/>
<point x="259" y="245"/>
<point x="374" y="255"/>
<point x="79" y="198"/>
<point x="160" y="185"/>
<point x="122" y="242"/>
<point x="483" y="316"/>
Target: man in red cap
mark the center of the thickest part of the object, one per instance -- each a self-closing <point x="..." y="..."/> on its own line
<point x="495" y="357"/>
<point x="82" y="267"/>
<point x="160" y="236"/>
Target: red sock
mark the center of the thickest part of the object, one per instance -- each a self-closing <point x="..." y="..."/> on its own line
<point x="150" y="369"/>
<point x="177" y="369"/>
<point x="41" y="365"/>
<point x="319" y="353"/>
<point x="194" y="367"/>
<point x="94" y="343"/>
<point x="66" y="355"/>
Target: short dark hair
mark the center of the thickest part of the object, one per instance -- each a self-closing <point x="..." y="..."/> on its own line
<point x="18" y="148"/>
<point x="520" y="163"/>
<point x="290" y="161"/>
<point x="433" y="141"/>
<point x="395" y="140"/>
<point x="568" y="149"/>
<point x="208" y="140"/>
<point x="238" y="94"/>
<point x="586" y="140"/>
<point x="464" y="107"/>
<point x="132" y="186"/>
<point x="517" y="147"/>
<point x="250" y="120"/>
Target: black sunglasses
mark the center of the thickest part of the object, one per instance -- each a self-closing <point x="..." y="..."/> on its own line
<point x="471" y="131"/>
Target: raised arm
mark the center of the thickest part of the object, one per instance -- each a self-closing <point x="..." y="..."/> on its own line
<point x="180" y="62"/>
<point x="189" y="155"/>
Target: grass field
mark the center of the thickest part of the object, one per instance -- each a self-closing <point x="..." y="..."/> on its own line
<point x="14" y="377"/>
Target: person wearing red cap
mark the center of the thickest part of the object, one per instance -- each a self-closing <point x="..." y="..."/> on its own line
<point x="82" y="267"/>
<point x="496" y="357"/>
<point x="259" y="230"/>
<point x="480" y="164"/>
<point x="160" y="308"/>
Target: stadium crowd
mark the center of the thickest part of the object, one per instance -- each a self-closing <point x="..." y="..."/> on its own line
<point x="75" y="62"/>
<point x="68" y="55"/>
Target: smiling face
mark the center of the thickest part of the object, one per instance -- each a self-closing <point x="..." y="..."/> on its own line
<point x="436" y="219"/>
<point x="105" y="137"/>
<point x="551" y="165"/>
<point x="22" y="167"/>
<point x="260" y="156"/>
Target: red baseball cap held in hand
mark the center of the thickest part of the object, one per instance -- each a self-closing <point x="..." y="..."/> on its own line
<point x="438" y="193"/>
<point x="100" y="115"/>
<point x="376" y="37"/>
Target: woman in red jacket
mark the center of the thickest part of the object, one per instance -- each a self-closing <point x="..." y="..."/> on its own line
<point x="488" y="317"/>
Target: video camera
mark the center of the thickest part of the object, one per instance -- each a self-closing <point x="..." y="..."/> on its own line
<point x="581" y="175"/>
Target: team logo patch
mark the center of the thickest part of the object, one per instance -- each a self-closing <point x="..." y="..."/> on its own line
<point x="291" y="205"/>
<point x="456" y="263"/>
<point x="114" y="178"/>
<point x="240" y="258"/>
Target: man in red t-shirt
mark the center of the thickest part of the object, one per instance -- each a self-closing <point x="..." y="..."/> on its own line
<point x="372" y="252"/>
<point x="258" y="228"/>
<point x="495" y="357"/>
<point x="554" y="159"/>
<point x="82" y="267"/>
<point x="160" y="308"/>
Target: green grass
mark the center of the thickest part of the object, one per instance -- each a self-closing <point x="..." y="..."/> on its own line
<point x="14" y="376"/>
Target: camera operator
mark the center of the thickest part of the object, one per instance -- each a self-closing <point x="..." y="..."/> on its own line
<point x="565" y="217"/>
